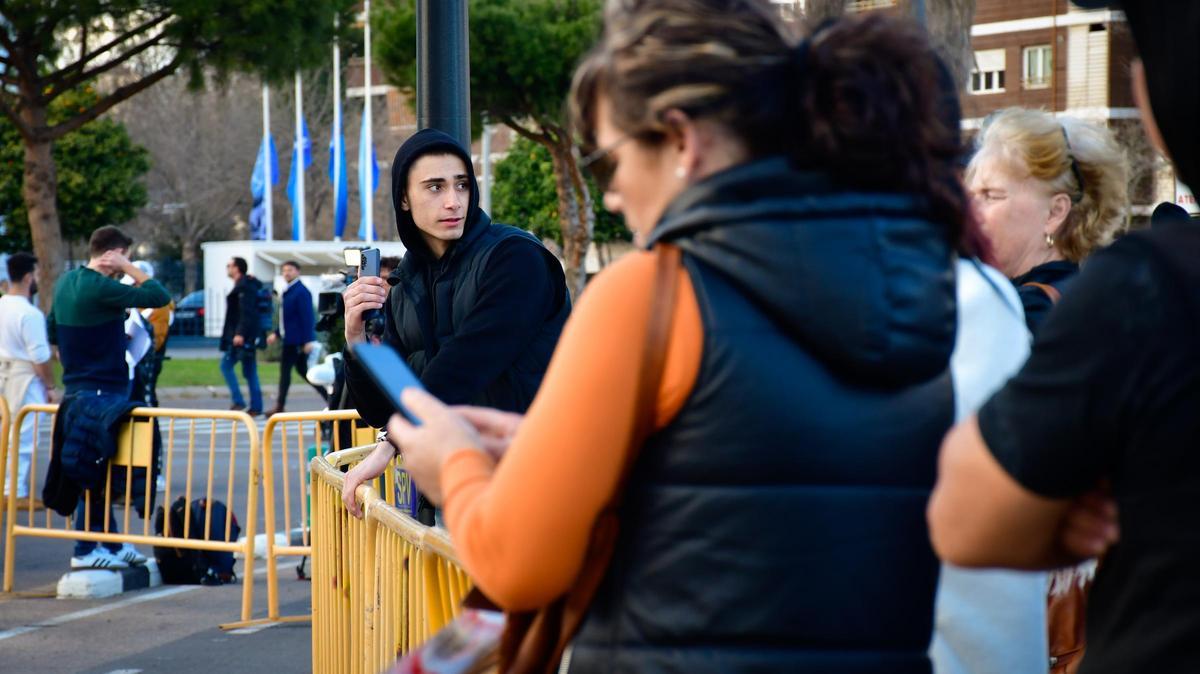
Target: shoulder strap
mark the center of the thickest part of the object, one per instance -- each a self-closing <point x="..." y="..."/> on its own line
<point x="534" y="642"/>
<point x="1050" y="290"/>
<point x="654" y="356"/>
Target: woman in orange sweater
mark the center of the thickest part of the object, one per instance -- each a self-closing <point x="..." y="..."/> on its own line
<point x="773" y="520"/>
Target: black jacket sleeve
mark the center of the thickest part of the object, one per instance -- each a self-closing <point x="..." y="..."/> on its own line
<point x="248" y="323"/>
<point x="361" y="392"/>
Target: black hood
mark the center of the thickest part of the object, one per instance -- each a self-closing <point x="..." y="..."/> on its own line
<point x="864" y="281"/>
<point x="424" y="142"/>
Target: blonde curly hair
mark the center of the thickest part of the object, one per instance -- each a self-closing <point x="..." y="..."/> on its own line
<point x="1062" y="153"/>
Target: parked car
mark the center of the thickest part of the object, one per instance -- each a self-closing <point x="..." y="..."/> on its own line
<point x="189" y="315"/>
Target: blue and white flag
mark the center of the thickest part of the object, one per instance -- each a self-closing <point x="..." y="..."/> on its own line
<point x="368" y="178"/>
<point x="305" y="147"/>
<point x="258" y="225"/>
<point x="337" y="174"/>
<point x="257" y="179"/>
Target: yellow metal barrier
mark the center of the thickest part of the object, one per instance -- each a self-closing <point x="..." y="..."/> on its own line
<point x="135" y="450"/>
<point x="294" y="443"/>
<point x="382" y="584"/>
<point x="4" y="420"/>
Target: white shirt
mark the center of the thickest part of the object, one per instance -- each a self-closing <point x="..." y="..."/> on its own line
<point x="282" y="332"/>
<point x="988" y="621"/>
<point x="22" y="331"/>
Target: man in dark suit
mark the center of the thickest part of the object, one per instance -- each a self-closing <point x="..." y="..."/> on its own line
<point x="296" y="327"/>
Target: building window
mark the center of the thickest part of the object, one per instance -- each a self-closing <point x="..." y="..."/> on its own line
<point x="1038" y="66"/>
<point x="988" y="75"/>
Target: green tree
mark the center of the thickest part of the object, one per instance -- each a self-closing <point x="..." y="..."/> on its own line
<point x="99" y="175"/>
<point x="523" y="194"/>
<point x="49" y="48"/>
<point x="523" y="54"/>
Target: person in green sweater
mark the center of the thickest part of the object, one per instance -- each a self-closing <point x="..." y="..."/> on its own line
<point x="87" y="323"/>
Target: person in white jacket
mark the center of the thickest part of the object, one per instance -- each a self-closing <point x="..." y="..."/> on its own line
<point x="26" y="376"/>
<point x="988" y="621"/>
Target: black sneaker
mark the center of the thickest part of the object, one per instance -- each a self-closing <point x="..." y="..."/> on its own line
<point x="254" y="413"/>
<point x="236" y="408"/>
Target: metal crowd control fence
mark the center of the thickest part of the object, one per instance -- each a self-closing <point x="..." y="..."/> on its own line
<point x="300" y="439"/>
<point x="135" y="443"/>
<point x="382" y="584"/>
<point x="4" y="420"/>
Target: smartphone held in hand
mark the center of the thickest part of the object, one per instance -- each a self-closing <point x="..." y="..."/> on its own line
<point x="389" y="373"/>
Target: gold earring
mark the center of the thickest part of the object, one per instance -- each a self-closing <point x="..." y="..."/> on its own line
<point x="1049" y="240"/>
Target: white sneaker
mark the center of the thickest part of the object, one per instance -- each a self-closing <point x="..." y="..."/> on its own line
<point x="130" y="555"/>
<point x="100" y="558"/>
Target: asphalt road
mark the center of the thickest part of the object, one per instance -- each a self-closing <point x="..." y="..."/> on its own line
<point x="169" y="628"/>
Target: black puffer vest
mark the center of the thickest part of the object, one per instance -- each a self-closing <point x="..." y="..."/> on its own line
<point x="777" y="523"/>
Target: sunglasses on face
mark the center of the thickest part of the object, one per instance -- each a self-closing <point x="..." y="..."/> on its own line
<point x="599" y="162"/>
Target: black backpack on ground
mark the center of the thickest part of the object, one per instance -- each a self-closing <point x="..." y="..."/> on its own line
<point x="182" y="566"/>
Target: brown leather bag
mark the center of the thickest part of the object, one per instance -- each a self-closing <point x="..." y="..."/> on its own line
<point x="534" y="641"/>
<point x="1067" y="596"/>
<point x="1066" y="612"/>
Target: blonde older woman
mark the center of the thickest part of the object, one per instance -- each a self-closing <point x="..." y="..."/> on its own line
<point x="1049" y="192"/>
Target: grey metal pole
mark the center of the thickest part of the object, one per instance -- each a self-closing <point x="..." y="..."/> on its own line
<point x="443" y="68"/>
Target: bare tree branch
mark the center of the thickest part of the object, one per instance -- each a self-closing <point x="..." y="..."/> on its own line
<point x="68" y="83"/>
<point x="75" y="71"/>
<point x="10" y="111"/>
<point x="104" y="104"/>
<point x="540" y="138"/>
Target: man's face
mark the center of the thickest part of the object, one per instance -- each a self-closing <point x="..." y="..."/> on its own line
<point x="439" y="191"/>
<point x="289" y="272"/>
<point x="231" y="270"/>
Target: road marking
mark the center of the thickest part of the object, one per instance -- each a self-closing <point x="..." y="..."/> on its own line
<point x="252" y="630"/>
<point x="97" y="610"/>
<point x="125" y="671"/>
<point x="87" y="613"/>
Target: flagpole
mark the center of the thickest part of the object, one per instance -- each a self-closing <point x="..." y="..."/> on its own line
<point x="299" y="205"/>
<point x="337" y="125"/>
<point x="368" y="173"/>
<point x="267" y="216"/>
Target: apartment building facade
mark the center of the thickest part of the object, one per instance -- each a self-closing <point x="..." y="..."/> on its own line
<point x="1053" y="55"/>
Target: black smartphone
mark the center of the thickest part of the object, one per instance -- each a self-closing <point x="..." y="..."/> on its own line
<point x="369" y="265"/>
<point x="369" y="262"/>
<point x="391" y="374"/>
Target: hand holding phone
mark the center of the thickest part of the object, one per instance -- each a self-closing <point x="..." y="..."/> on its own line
<point x="389" y="373"/>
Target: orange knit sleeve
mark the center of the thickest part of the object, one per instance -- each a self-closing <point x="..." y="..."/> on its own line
<point x="521" y="527"/>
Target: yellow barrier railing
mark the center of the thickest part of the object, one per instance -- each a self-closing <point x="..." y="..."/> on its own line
<point x="135" y="451"/>
<point x="382" y="584"/>
<point x="298" y="433"/>
<point x="4" y="420"/>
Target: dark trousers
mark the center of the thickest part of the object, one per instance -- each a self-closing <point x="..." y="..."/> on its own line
<point x="293" y="356"/>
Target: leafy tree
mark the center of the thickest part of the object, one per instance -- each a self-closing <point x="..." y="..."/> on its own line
<point x="523" y="194"/>
<point x="49" y="48"/>
<point x="99" y="175"/>
<point x="523" y="54"/>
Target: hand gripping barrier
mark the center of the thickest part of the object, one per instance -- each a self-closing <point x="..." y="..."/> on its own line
<point x="381" y="585"/>
<point x="134" y="460"/>
<point x="299" y="439"/>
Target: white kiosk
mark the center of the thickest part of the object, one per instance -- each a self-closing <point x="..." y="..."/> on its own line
<point x="264" y="259"/>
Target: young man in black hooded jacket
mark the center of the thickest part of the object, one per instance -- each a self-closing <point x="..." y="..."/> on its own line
<point x="475" y="307"/>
